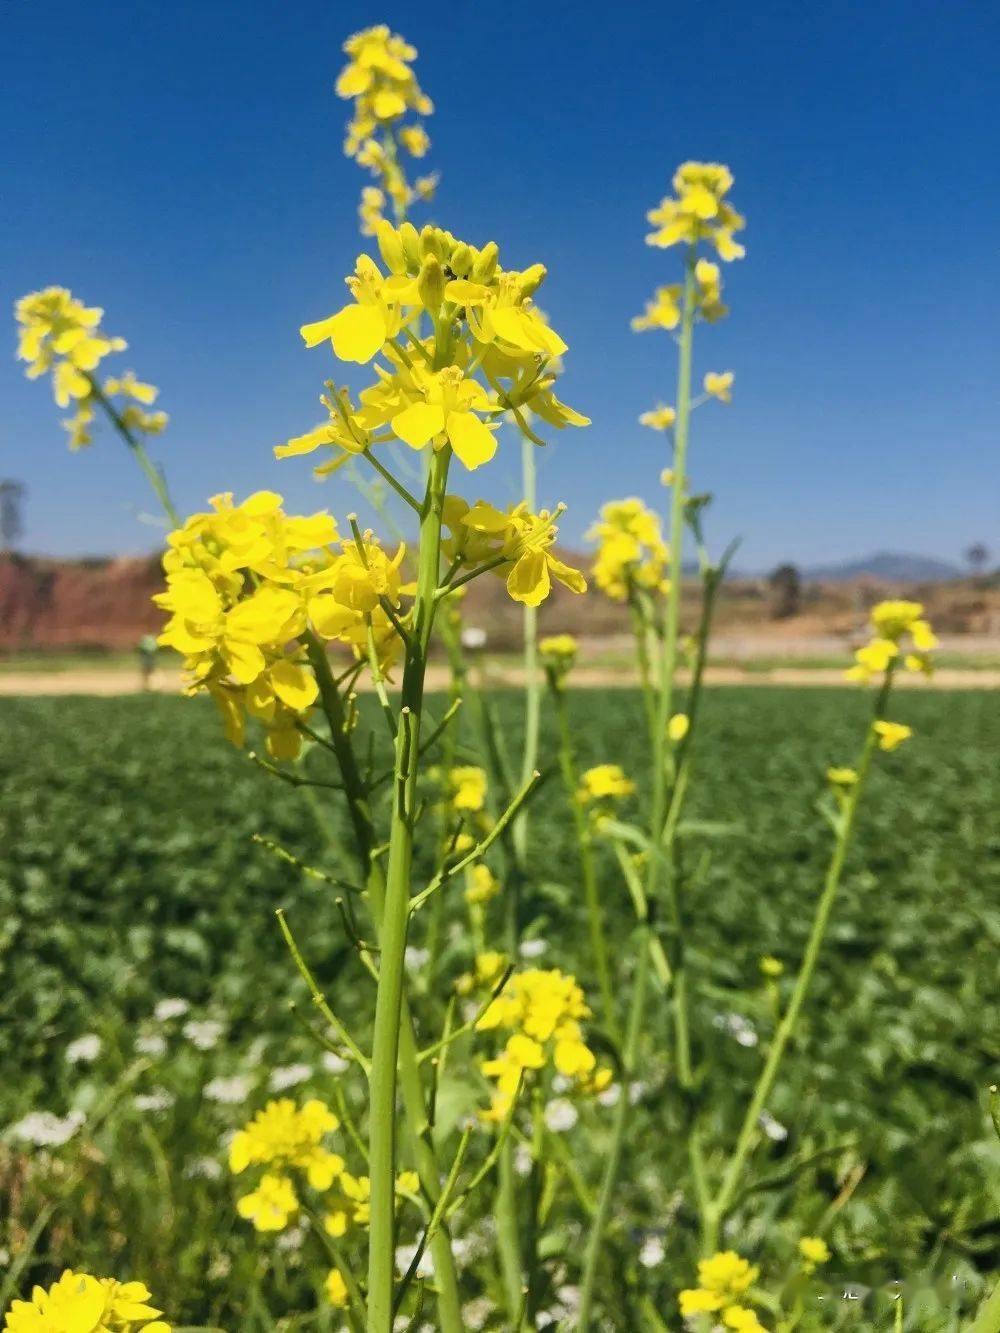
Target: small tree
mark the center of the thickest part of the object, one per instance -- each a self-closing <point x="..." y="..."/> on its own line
<point x="977" y="556"/>
<point x="786" y="585"/>
<point x="12" y="495"/>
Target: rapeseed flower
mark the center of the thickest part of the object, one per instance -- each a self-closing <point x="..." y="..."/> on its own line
<point x="723" y="1281"/>
<point x="698" y="210"/>
<point x="720" y="385"/>
<point x="336" y="1289"/>
<point x="814" y="1251"/>
<point x="467" y="789"/>
<point x="517" y="542"/>
<point x="604" y="782"/>
<point x="893" y="622"/>
<point x="482" y="885"/>
<point x="79" y="1303"/>
<point x="288" y="1137"/>
<point x="891" y="734"/>
<point x="659" y="418"/>
<point x="631" y="552"/>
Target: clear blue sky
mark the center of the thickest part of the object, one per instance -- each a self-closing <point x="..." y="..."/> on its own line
<point x="180" y="164"/>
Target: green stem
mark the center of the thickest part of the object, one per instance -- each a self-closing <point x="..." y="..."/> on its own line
<point x="588" y="869"/>
<point x="659" y="807"/>
<point x="783" y="1035"/>
<point x="508" y="1229"/>
<point x="153" y="474"/>
<point x="612" y="1166"/>
<point x="532" y="683"/>
<point x="392" y="941"/>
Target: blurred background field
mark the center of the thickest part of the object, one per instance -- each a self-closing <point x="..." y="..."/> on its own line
<point x="144" y="994"/>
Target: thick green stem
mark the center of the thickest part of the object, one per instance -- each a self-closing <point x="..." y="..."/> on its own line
<point x="414" y="1099"/>
<point x="588" y="868"/>
<point x="731" y="1177"/>
<point x="389" y="1000"/>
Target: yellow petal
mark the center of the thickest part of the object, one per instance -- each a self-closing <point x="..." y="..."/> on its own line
<point x="417" y="424"/>
<point x="472" y="440"/>
<point x="528" y="582"/>
<point x="294" y="685"/>
<point x="304" y="444"/>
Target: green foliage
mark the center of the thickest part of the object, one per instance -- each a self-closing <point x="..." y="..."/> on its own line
<point x="128" y="876"/>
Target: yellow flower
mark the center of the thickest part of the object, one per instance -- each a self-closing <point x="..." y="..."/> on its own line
<point x="678" y="727"/>
<point x="720" y="385"/>
<point x="285" y="1136"/>
<point x="708" y="277"/>
<point x="631" y="551"/>
<point x="336" y="1289"/>
<point x="696" y="1300"/>
<point x="873" y="658"/>
<point x="270" y="1206"/>
<point x="771" y="967"/>
<point x="660" y="418"/>
<point x="814" y="1251"/>
<point x="559" y="646"/>
<point x="604" y="782"/>
<point x="726" y="1273"/>
<point x="742" y="1319"/>
<point x="359" y="330"/>
<point x="483" y="885"/>
<point x="521" y="540"/>
<point x="370" y="209"/>
<point x="891" y="734"/>
<point x="893" y="621"/>
<point x="501" y="311"/>
<point x="663" y="312"/>
<point x="447" y="413"/>
<point x="467" y="785"/>
<point x="842" y="777"/>
<point x="699" y="211"/>
<point x="79" y="1303"/>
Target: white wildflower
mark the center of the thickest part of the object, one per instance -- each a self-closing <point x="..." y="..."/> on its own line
<point x="533" y="948"/>
<point x="157" y="1100"/>
<point x="416" y="958"/>
<point x="167" y="1009"/>
<point x="203" y="1168"/>
<point x="152" y="1044"/>
<point x="289" y="1076"/>
<point x="229" y="1091"/>
<point x="561" y="1115"/>
<point x="203" y="1033"/>
<point x="652" y="1253"/>
<point x="774" y="1129"/>
<point x="334" y="1063"/>
<point x="84" y="1049"/>
<point x="47" y="1130"/>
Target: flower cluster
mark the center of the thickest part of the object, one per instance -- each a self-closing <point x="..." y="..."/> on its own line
<point x="542" y="1011"/>
<point x="558" y="653"/>
<point x="484" y="322"/>
<point x="698" y="211"/>
<point x="59" y="334"/>
<point x="481" y="885"/>
<point x="664" y="310"/>
<point x="466" y="789"/>
<point x="515" y="544"/>
<point x="893" y="623"/>
<point x="384" y="89"/>
<point x="79" y="1303"/>
<point x="604" y="782"/>
<point x="284" y="1137"/>
<point x="723" y="1282"/>
<point x="631" y="552"/>
<point x="813" y="1251"/>
<point x="245" y="581"/>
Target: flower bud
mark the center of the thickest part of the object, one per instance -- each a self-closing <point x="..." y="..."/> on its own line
<point x="430" y="284"/>
<point x="461" y="260"/>
<point x="410" y="239"/>
<point x="532" y="278"/>
<point x="390" y="245"/>
<point x="485" y="264"/>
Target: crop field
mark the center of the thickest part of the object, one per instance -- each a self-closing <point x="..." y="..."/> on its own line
<point x="145" y="989"/>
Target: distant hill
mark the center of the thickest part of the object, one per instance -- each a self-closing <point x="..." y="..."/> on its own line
<point x="893" y="566"/>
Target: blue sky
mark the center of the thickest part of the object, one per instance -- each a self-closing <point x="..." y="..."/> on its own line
<point x="181" y="166"/>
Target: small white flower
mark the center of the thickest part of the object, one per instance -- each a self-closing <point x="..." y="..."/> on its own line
<point x="652" y="1253"/>
<point x="152" y="1044"/>
<point x="84" y="1050"/>
<point x="167" y="1009"/>
<point x="473" y="637"/>
<point x="203" y="1033"/>
<point x="533" y="948"/>
<point x="774" y="1129"/>
<point x="220" y="1267"/>
<point x="522" y="1159"/>
<point x="610" y="1095"/>
<point x="292" y="1239"/>
<point x="334" y="1063"/>
<point x="157" y="1100"/>
<point x="476" y="1314"/>
<point x="229" y="1091"/>
<point x="289" y="1076"/>
<point x="561" y="1115"/>
<point x="739" y="1028"/>
<point x="416" y="958"/>
<point x="47" y="1130"/>
<point x="203" y="1168"/>
<point x="636" y="1092"/>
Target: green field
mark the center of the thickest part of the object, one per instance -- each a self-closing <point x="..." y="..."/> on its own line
<point x="128" y="876"/>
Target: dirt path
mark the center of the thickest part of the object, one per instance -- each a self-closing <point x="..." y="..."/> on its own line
<point x="109" y="683"/>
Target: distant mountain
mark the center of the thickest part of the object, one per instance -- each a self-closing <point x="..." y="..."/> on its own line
<point x="892" y="566"/>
